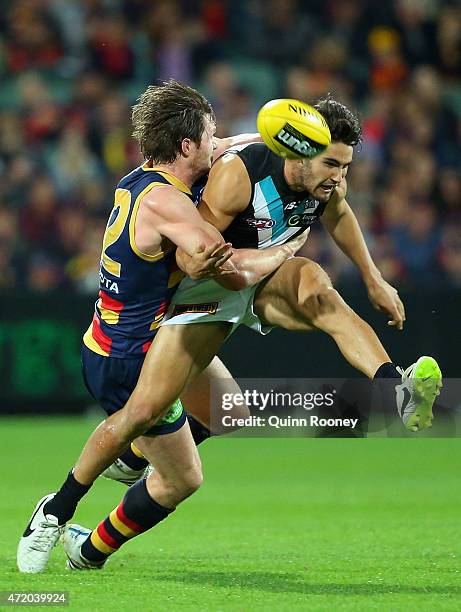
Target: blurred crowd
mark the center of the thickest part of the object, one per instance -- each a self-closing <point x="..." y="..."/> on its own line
<point x="71" y="69"/>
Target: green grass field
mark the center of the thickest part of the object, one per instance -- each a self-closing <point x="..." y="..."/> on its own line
<point x="308" y="524"/>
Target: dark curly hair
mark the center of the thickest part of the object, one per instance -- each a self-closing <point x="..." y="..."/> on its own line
<point x="344" y="125"/>
<point x="166" y="114"/>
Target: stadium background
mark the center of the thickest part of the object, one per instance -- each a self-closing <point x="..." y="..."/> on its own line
<point x="69" y="72"/>
<point x="316" y="524"/>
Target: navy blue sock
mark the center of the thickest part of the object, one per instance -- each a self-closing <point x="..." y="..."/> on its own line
<point x="384" y="375"/>
<point x="132" y="460"/>
<point x="65" y="501"/>
<point x="136" y="513"/>
<point x="387" y="370"/>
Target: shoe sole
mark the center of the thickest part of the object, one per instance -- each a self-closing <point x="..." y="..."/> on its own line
<point x="426" y="385"/>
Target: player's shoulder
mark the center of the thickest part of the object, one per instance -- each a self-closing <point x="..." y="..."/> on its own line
<point x="252" y="150"/>
<point x="165" y="199"/>
<point x="258" y="159"/>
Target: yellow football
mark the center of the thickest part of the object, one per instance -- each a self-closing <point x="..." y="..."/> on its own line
<point x="293" y="129"/>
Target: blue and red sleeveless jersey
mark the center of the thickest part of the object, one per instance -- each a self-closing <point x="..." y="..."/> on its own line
<point x="135" y="289"/>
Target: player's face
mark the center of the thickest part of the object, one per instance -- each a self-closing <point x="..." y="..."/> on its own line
<point x="324" y="172"/>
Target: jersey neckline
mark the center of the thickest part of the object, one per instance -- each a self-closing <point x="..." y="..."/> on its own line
<point x="174" y="180"/>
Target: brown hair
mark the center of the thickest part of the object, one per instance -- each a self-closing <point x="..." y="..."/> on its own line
<point x="166" y="114"/>
<point x="344" y="125"/>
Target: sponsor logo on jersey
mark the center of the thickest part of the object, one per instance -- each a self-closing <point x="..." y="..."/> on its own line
<point x="209" y="308"/>
<point x="303" y="220"/>
<point x="310" y="206"/>
<point x="289" y="137"/>
<point x="107" y="283"/>
<point x="302" y="216"/>
<point x="260" y="224"/>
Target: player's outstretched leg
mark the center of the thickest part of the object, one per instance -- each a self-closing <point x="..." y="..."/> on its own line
<point x="299" y="296"/>
<point x="38" y="540"/>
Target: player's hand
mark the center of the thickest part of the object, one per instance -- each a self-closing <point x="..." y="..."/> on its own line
<point x="211" y="261"/>
<point x="384" y="297"/>
<point x="293" y="245"/>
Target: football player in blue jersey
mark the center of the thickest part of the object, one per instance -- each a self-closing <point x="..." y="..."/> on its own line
<point x="154" y="212"/>
<point x="260" y="200"/>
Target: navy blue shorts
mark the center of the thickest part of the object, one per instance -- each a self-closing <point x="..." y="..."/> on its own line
<point x="111" y="381"/>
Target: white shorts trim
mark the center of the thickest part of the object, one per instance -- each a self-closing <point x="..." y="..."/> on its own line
<point x="205" y="301"/>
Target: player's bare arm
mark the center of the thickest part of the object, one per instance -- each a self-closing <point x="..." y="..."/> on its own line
<point x="222" y="144"/>
<point x="207" y="262"/>
<point x="167" y="218"/>
<point x="228" y="192"/>
<point x="341" y="223"/>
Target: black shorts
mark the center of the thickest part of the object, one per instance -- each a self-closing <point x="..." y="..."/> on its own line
<point x="111" y="381"/>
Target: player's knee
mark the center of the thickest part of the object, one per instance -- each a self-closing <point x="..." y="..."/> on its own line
<point x="192" y="482"/>
<point x="313" y="280"/>
<point x="185" y="484"/>
<point x="328" y="298"/>
<point x="316" y="295"/>
<point x="174" y="487"/>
